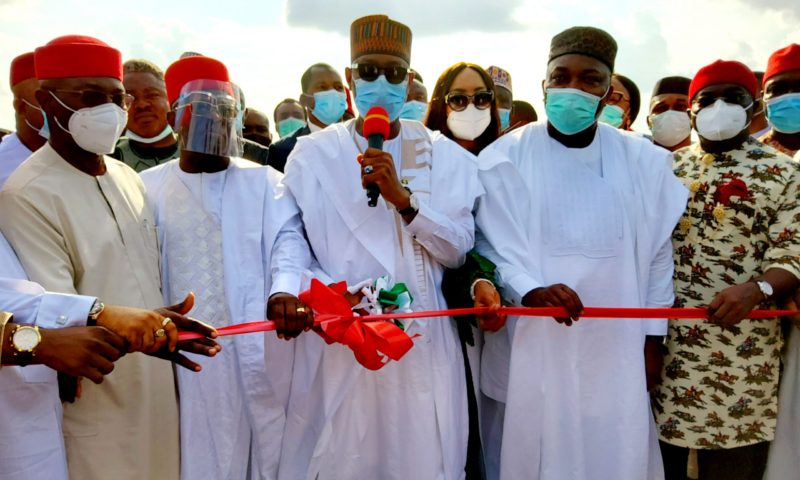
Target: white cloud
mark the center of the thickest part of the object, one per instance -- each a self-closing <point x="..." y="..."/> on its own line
<point x="266" y="51"/>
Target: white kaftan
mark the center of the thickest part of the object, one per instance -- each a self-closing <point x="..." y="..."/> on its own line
<point x="233" y="237"/>
<point x="409" y="419"/>
<point x="600" y="221"/>
<point x="784" y="451"/>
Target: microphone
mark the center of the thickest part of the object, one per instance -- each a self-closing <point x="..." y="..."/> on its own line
<point x="376" y="129"/>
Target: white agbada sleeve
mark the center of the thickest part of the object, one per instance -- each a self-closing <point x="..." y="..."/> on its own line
<point x="290" y="253"/>
<point x="447" y="239"/>
<point x="501" y="220"/>
<point x="448" y="235"/>
<point x="661" y="289"/>
<point x="29" y="302"/>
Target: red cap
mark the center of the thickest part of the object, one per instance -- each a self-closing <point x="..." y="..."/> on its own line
<point x="77" y="56"/>
<point x="724" y="71"/>
<point x="784" y="60"/>
<point x="22" y="68"/>
<point x="188" y="69"/>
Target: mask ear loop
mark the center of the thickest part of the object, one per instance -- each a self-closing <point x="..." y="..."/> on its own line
<point x="39" y="129"/>
<point x="63" y="105"/>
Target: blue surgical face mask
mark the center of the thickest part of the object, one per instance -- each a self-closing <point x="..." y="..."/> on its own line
<point x="612" y="115"/>
<point x="329" y="106"/>
<point x="505" y="117"/>
<point x="570" y="110"/>
<point x="381" y="93"/>
<point x="414" y="110"/>
<point x="288" y="126"/>
<point x="784" y="113"/>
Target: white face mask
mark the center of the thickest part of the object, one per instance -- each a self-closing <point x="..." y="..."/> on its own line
<point x="136" y="138"/>
<point x="470" y="123"/>
<point x="721" y="121"/>
<point x="95" y="129"/>
<point x="671" y="127"/>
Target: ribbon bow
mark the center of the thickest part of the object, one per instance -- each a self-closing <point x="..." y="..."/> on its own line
<point x="372" y="343"/>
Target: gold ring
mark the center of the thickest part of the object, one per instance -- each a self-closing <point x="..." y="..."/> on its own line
<point x="301" y="310"/>
<point x="165" y="322"/>
<point x="160" y="333"/>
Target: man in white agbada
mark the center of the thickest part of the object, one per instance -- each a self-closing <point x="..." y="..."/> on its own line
<point x="31" y="442"/>
<point x="408" y="419"/>
<point x="18" y="146"/>
<point x="228" y="231"/>
<point x="589" y="211"/>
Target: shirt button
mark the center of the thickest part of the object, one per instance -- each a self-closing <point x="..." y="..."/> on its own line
<point x="62" y="319"/>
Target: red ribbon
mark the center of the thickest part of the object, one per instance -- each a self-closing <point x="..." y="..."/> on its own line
<point x="375" y="340"/>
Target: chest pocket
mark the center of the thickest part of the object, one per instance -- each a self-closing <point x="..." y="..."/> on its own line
<point x="583" y="215"/>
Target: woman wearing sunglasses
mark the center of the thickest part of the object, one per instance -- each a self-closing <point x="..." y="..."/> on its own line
<point x="464" y="108"/>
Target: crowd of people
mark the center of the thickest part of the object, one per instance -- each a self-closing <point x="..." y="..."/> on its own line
<point x="139" y="205"/>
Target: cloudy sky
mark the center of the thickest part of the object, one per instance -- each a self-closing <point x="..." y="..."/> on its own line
<point x="269" y="43"/>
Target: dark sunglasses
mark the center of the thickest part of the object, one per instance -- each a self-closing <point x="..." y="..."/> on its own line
<point x="93" y="98"/>
<point x="460" y="101"/>
<point x="370" y="72"/>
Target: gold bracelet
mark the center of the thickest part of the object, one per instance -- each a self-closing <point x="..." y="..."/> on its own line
<point x="5" y="317"/>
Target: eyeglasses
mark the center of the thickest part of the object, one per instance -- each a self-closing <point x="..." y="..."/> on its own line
<point x="370" y="72"/>
<point x="617" y="97"/>
<point x="459" y="101"/>
<point x="93" y="98"/>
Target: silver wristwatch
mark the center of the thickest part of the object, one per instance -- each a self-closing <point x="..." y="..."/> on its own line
<point x="96" y="310"/>
<point x="413" y="204"/>
<point x="766" y="289"/>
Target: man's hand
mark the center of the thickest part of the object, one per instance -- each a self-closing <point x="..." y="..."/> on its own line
<point x="377" y="167"/>
<point x="204" y="346"/>
<point x="653" y="360"/>
<point x="139" y="327"/>
<point x="558" y="295"/>
<point x="792" y="303"/>
<point x="488" y="296"/>
<point x="732" y="305"/>
<point x="291" y="316"/>
<point x="80" y="351"/>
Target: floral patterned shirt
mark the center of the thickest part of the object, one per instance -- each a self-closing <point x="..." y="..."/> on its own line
<point x="720" y="384"/>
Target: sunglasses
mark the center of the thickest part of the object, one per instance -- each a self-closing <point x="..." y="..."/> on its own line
<point x="459" y="101"/>
<point x="370" y="72"/>
<point x="93" y="98"/>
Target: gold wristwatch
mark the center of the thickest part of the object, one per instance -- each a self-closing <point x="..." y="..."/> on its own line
<point x="24" y="340"/>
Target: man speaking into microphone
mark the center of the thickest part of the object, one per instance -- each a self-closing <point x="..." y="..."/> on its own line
<point x="408" y="419"/>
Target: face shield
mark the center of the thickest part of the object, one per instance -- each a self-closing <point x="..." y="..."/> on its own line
<point x="205" y="118"/>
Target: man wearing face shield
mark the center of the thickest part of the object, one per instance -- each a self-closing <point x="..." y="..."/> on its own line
<point x="578" y="213"/>
<point x="18" y="146"/>
<point x="736" y="249"/>
<point x="228" y="231"/>
<point x="669" y="117"/>
<point x="79" y="223"/>
<point x="408" y="419"/>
